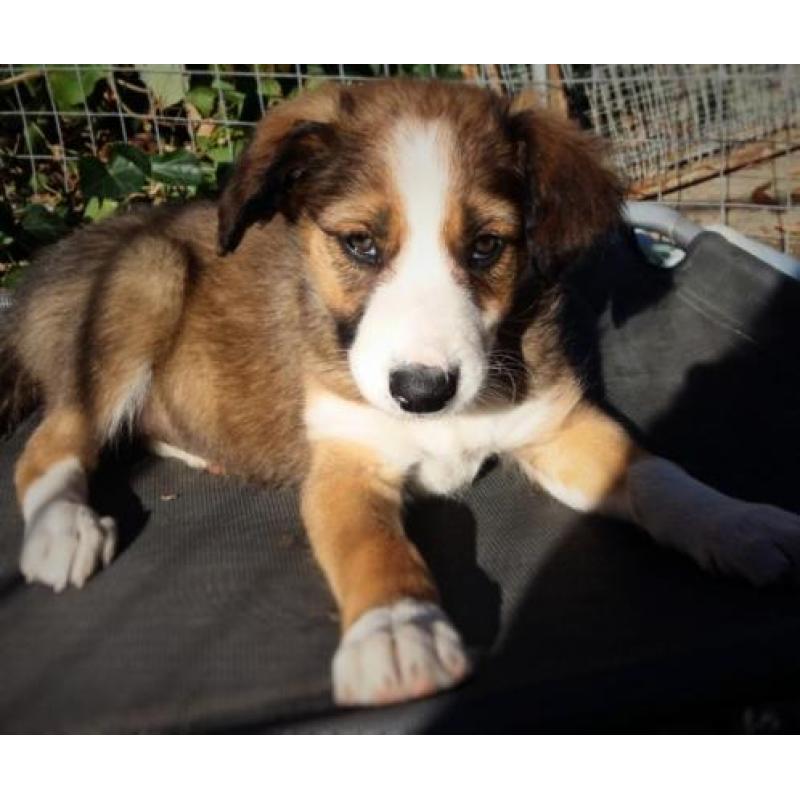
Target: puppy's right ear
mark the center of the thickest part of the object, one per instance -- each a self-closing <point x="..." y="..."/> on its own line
<point x="289" y="142"/>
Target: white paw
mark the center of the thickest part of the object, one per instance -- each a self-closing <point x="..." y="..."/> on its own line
<point x="760" y="543"/>
<point x="398" y="652"/>
<point x="65" y="542"/>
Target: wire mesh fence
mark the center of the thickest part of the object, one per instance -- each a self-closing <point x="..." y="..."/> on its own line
<point x="719" y="142"/>
<point x="76" y="141"/>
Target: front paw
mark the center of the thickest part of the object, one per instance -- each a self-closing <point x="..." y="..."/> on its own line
<point x="65" y="542"/>
<point x="759" y="543"/>
<point x="398" y="652"/>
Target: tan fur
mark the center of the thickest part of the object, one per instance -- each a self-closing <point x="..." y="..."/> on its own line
<point x="589" y="454"/>
<point x="351" y="509"/>
<point x="64" y="433"/>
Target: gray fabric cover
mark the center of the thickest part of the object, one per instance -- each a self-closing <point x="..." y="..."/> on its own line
<point x="215" y="617"/>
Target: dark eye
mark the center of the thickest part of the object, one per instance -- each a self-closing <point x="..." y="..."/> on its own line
<point x="362" y="247"/>
<point x="486" y="249"/>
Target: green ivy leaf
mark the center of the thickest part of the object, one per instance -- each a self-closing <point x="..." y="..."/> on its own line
<point x="221" y="83"/>
<point x="71" y="87"/>
<point x="94" y="178"/>
<point x="166" y="81"/>
<point x="234" y="100"/>
<point x="221" y="154"/>
<point x="97" y="209"/>
<point x="180" y="168"/>
<point x="42" y="224"/>
<point x="126" y="174"/>
<point x="203" y="99"/>
<point x="271" y="87"/>
<point x="125" y="161"/>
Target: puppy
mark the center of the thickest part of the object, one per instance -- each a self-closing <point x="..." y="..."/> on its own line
<point x="373" y="306"/>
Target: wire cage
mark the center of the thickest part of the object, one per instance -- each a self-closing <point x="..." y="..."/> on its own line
<point x="718" y="142"/>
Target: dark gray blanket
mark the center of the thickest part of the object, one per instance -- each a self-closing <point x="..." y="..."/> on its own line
<point x="215" y="617"/>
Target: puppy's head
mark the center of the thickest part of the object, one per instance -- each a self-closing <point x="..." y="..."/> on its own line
<point x="423" y="208"/>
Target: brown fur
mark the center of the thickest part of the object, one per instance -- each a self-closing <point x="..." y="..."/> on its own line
<point x="212" y="333"/>
<point x="18" y="395"/>
<point x="575" y="195"/>
<point x="229" y="343"/>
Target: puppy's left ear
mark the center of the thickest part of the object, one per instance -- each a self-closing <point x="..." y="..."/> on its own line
<point x="289" y="143"/>
<point x="574" y="197"/>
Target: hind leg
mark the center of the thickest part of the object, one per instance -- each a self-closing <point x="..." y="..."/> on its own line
<point x="65" y="542"/>
<point x="96" y="375"/>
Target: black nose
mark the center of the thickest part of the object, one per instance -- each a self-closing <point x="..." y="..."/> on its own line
<point x="420" y="390"/>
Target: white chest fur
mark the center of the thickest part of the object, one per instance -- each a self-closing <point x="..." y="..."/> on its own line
<point x="443" y="453"/>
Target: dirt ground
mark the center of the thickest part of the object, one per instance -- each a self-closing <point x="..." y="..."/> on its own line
<point x="761" y="201"/>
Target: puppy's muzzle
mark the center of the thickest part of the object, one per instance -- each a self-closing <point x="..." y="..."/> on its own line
<point x="419" y="389"/>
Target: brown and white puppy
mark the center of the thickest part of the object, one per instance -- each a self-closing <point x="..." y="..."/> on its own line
<point x="392" y="320"/>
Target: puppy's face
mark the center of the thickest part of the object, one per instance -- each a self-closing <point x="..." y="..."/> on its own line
<point x="415" y="204"/>
<point x="416" y="258"/>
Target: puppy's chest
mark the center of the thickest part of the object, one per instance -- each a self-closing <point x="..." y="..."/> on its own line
<point x="439" y="455"/>
<point x="441" y="458"/>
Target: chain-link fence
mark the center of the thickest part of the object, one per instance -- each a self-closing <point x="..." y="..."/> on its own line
<point x="77" y="141"/>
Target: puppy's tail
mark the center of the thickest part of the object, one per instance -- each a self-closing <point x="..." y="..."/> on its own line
<point x="18" y="395"/>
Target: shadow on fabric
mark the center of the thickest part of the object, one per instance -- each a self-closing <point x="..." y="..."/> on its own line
<point x="612" y="632"/>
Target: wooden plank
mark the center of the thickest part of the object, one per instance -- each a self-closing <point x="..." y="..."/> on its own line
<point x="680" y="177"/>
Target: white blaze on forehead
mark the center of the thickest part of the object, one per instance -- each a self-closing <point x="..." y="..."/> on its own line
<point x="421" y="158"/>
<point x="420" y="314"/>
